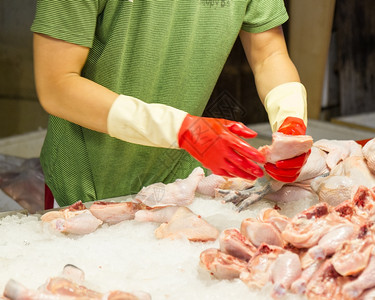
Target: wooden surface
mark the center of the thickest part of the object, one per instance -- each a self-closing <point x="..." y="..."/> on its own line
<point x="310" y="28"/>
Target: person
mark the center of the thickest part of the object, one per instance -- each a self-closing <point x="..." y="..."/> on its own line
<point x="125" y="84"/>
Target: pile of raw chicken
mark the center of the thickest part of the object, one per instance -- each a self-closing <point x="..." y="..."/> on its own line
<point x="67" y="286"/>
<point x="324" y="252"/>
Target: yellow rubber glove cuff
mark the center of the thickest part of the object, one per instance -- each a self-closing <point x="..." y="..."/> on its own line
<point x="135" y="121"/>
<point x="286" y="100"/>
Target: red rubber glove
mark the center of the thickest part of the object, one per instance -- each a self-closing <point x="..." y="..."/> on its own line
<point x="217" y="145"/>
<point x="289" y="169"/>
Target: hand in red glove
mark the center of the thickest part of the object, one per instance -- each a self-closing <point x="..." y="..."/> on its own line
<point x="217" y="145"/>
<point x="289" y="169"/>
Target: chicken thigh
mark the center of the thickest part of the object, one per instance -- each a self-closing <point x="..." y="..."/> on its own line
<point x="184" y="223"/>
<point x="179" y="193"/>
<point x="234" y="243"/>
<point x="222" y="265"/>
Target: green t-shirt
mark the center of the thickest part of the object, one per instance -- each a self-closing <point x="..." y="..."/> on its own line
<point x="159" y="51"/>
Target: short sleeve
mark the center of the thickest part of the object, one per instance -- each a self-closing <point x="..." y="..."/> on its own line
<point x="73" y="21"/>
<point x="262" y="15"/>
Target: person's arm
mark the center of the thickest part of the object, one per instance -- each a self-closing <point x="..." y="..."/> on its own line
<point x="269" y="60"/>
<point x="279" y="88"/>
<point x="62" y="91"/>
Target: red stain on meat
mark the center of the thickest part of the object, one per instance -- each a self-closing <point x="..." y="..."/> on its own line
<point x="363" y="231"/>
<point x="77" y="206"/>
<point x="345" y="210"/>
<point x="264" y="249"/>
<point x="360" y="197"/>
<point x="319" y="211"/>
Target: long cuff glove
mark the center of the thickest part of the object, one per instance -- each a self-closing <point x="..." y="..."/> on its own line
<point x="213" y="142"/>
<point x="216" y="144"/>
<point x="286" y="107"/>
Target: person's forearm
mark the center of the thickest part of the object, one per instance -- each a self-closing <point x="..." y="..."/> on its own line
<point x="78" y="100"/>
<point x="276" y="77"/>
<point x="62" y="91"/>
<point x="275" y="70"/>
<point x="269" y="60"/>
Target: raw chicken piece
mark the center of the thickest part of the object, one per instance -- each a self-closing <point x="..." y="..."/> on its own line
<point x="307" y="227"/>
<point x="73" y="273"/>
<point x="348" y="210"/>
<point x="266" y="187"/>
<point x="344" y="180"/>
<point x="208" y="185"/>
<point x="366" y="280"/>
<point x="286" y="146"/>
<point x="353" y="256"/>
<point x="345" y="209"/>
<point x="273" y="217"/>
<point x="368" y="295"/>
<point x="259" y="232"/>
<point x="180" y="193"/>
<point x="267" y="229"/>
<point x="300" y="284"/>
<point x="237" y="183"/>
<point x="67" y="287"/>
<point x="360" y="209"/>
<point x="341" y="160"/>
<point x="338" y="150"/>
<point x="260" y="266"/>
<point x="222" y="265"/>
<point x="293" y="193"/>
<point x="114" y="212"/>
<point x="314" y="167"/>
<point x="16" y="291"/>
<point x="158" y="215"/>
<point x="185" y="223"/>
<point x="364" y="202"/>
<point x="58" y="214"/>
<point x="66" y="213"/>
<point x="120" y="295"/>
<point x="234" y="243"/>
<point x="233" y="184"/>
<point x="83" y="223"/>
<point x="357" y="170"/>
<point x="333" y="239"/>
<point x="64" y="287"/>
<point x="327" y="189"/>
<point x="285" y="270"/>
<point x="369" y="153"/>
<point x="282" y="147"/>
<point x="75" y="219"/>
<point x="326" y="283"/>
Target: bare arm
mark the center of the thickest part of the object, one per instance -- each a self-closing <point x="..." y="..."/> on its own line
<point x="61" y="89"/>
<point x="63" y="92"/>
<point x="281" y="92"/>
<point x="269" y="60"/>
